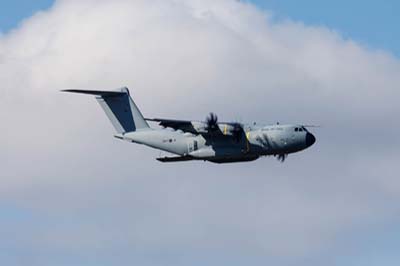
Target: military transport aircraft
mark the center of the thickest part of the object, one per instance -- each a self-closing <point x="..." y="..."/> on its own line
<point x="210" y="140"/>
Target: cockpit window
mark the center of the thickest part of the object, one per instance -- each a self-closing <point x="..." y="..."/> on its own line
<point x="300" y="129"/>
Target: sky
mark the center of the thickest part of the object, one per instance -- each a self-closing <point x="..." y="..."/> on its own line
<point x="374" y="24"/>
<point x="70" y="193"/>
<point x="13" y="12"/>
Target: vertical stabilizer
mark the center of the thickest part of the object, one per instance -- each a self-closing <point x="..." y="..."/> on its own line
<point x="119" y="108"/>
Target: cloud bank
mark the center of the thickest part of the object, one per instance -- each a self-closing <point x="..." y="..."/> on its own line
<point x="73" y="194"/>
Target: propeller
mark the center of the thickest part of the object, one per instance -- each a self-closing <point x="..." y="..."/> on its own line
<point x="212" y="122"/>
<point x="237" y="131"/>
<point x="281" y="157"/>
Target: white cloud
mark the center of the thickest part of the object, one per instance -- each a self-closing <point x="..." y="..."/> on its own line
<point x="182" y="59"/>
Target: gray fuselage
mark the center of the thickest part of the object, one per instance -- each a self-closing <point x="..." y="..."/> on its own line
<point x="257" y="141"/>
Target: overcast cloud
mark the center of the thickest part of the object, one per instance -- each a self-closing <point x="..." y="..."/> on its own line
<point x="72" y="194"/>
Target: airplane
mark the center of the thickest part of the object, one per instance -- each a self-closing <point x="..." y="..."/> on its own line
<point x="212" y="141"/>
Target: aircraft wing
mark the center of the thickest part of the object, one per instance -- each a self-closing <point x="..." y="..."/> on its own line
<point x="184" y="125"/>
<point x="196" y="127"/>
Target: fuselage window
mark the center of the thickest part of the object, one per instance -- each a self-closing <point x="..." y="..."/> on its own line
<point x="196" y="146"/>
<point x="296" y="129"/>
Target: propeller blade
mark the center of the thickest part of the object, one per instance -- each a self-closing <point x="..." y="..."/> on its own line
<point x="282" y="157"/>
<point x="237" y="131"/>
<point x="212" y="122"/>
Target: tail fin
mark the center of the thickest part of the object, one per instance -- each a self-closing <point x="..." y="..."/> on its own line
<point x="120" y="109"/>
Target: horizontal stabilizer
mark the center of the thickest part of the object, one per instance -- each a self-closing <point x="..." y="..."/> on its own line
<point x="175" y="159"/>
<point x="100" y="93"/>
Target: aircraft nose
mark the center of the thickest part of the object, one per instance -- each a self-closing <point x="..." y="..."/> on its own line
<point x="310" y="139"/>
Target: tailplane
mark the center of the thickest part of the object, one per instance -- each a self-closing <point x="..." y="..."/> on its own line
<point x="120" y="109"/>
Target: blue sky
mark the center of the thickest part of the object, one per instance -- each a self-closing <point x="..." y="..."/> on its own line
<point x="372" y="23"/>
<point x="12" y="12"/>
